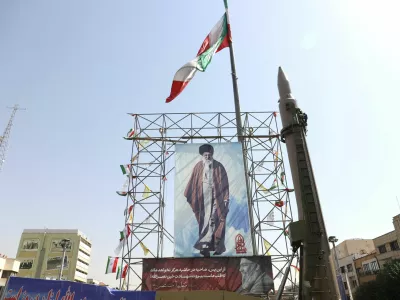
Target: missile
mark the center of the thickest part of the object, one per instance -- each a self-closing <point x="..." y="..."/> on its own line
<point x="287" y="109"/>
<point x="283" y="85"/>
<point x="309" y="232"/>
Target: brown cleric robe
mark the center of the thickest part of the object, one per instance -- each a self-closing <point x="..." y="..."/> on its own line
<point x="195" y="198"/>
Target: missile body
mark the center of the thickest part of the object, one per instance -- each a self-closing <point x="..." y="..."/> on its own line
<point x="316" y="272"/>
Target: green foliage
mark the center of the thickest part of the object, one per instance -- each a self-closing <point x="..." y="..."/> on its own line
<point x="385" y="287"/>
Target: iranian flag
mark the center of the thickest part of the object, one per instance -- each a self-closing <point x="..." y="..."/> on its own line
<point x="125" y="169"/>
<point x="123" y="237"/>
<point x="216" y="40"/>
<point x="124" y="271"/>
<point x="112" y="265"/>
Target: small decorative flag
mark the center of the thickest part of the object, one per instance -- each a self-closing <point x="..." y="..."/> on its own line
<point x="215" y="41"/>
<point x="279" y="203"/>
<point x="267" y="247"/>
<point x="123" y="191"/>
<point x="124" y="271"/>
<point x="274" y="185"/>
<point x="146" y="192"/>
<point x="262" y="188"/>
<point x="112" y="264"/>
<point x="129" y="212"/>
<point x="143" y="143"/>
<point x="145" y="249"/>
<point x="270" y="217"/>
<point x="276" y="158"/>
<point x="134" y="157"/>
<point x="282" y="177"/>
<point x="126" y="169"/>
<point x="130" y="135"/>
<point x="296" y="268"/>
<point x="286" y="233"/>
<point x="123" y="237"/>
<point x="120" y="193"/>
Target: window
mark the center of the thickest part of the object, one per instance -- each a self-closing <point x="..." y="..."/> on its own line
<point x="86" y="243"/>
<point x="394" y="246"/>
<point x="354" y="283"/>
<point x="345" y="285"/>
<point x="358" y="271"/>
<point x="366" y="267"/>
<point x="349" y="268"/>
<point x="374" y="266"/>
<point x="382" y="249"/>
<point x="342" y="270"/>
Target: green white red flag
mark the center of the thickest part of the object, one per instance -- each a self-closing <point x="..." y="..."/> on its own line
<point x="126" y="169"/>
<point x="216" y="40"/>
<point x="124" y="271"/>
<point x="123" y="237"/>
<point x="112" y="264"/>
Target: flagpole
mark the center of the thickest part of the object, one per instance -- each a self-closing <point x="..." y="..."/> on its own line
<point x="239" y="127"/>
<point x="234" y="78"/>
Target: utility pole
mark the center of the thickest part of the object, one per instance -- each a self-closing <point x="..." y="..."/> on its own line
<point x="333" y="240"/>
<point x="64" y="243"/>
<point x="6" y="135"/>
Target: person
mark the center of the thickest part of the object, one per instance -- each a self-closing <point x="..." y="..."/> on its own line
<point x="255" y="281"/>
<point x="207" y="192"/>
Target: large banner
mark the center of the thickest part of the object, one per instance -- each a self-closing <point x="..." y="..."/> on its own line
<point x="211" y="206"/>
<point x="36" y="289"/>
<point x="244" y="275"/>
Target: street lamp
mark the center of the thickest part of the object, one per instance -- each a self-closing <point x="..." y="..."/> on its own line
<point x="63" y="243"/>
<point x="333" y="240"/>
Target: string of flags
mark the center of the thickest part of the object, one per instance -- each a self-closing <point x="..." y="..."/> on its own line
<point x="264" y="189"/>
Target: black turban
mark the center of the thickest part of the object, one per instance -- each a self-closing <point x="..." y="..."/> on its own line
<point x="206" y="148"/>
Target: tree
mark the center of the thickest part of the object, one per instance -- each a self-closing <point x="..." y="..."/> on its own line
<point x="385" y="287"/>
<point x="367" y="291"/>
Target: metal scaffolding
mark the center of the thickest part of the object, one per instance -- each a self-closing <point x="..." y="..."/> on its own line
<point x="151" y="188"/>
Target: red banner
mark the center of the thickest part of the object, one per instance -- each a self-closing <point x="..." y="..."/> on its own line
<point x="245" y="275"/>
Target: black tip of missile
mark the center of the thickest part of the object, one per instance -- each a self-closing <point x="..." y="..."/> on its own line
<point x="283" y="84"/>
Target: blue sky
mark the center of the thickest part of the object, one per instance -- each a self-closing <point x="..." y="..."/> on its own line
<point x="79" y="66"/>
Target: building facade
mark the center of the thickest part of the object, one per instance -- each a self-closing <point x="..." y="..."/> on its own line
<point x="8" y="267"/>
<point x="387" y="245"/>
<point x="366" y="267"/>
<point x="347" y="251"/>
<point x="40" y="252"/>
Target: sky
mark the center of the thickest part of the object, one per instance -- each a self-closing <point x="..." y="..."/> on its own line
<point x="79" y="66"/>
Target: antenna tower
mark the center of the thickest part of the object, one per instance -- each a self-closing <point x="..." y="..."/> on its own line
<point x="6" y="135"/>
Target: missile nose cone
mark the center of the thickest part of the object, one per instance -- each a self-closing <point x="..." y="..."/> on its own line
<point x="283" y="84"/>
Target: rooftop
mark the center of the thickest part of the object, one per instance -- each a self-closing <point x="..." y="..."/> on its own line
<point x="46" y="230"/>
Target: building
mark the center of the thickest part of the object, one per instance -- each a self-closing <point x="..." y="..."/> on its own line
<point x="8" y="267"/>
<point x="366" y="267"/>
<point x="40" y="253"/>
<point x="348" y="251"/>
<point x="387" y="245"/>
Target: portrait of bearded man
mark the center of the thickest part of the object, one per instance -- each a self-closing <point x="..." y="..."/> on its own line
<point x="207" y="193"/>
